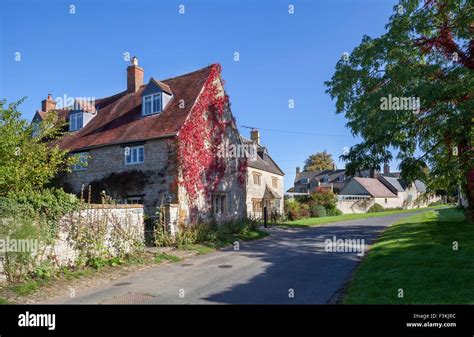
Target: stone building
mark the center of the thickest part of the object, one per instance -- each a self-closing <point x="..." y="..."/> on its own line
<point x="265" y="186"/>
<point x="152" y="144"/>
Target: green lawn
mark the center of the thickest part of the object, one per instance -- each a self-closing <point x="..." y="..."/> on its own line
<point x="416" y="254"/>
<point x="328" y="219"/>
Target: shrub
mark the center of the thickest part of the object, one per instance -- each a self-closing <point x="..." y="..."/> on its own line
<point x="47" y="206"/>
<point x="304" y="211"/>
<point x="17" y="223"/>
<point x="204" y="233"/>
<point x="333" y="212"/>
<point x="292" y="209"/>
<point x="375" y="208"/>
<point x="325" y="198"/>
<point x="318" y="211"/>
<point x="436" y="203"/>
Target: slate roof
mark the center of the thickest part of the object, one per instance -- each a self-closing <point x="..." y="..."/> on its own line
<point x="375" y="188"/>
<point x="420" y="186"/>
<point x="394" y="184"/>
<point x="119" y="118"/>
<point x="263" y="160"/>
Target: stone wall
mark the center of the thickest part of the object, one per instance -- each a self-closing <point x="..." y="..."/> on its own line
<point x="117" y="218"/>
<point x="111" y="159"/>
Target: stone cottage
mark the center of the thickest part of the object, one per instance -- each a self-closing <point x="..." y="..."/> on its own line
<point x="265" y="186"/>
<point x="156" y="144"/>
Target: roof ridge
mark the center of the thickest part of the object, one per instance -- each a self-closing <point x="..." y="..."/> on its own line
<point x="192" y="72"/>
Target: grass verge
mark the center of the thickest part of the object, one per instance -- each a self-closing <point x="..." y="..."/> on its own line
<point x="162" y="257"/>
<point x="209" y="247"/>
<point x="416" y="255"/>
<point x="345" y="217"/>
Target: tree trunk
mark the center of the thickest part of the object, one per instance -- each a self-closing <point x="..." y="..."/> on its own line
<point x="470" y="195"/>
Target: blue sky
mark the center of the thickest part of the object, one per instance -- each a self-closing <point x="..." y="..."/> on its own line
<point x="282" y="57"/>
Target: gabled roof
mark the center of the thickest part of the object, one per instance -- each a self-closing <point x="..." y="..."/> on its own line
<point x="264" y="162"/>
<point x="166" y="88"/>
<point x="420" y="186"/>
<point x="119" y="119"/>
<point x="374" y="187"/>
<point x="394" y="184"/>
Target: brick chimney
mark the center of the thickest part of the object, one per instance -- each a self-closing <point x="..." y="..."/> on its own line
<point x="255" y="136"/>
<point x="134" y="76"/>
<point x="386" y="168"/>
<point x="297" y="169"/>
<point x="374" y="173"/>
<point x="48" y="104"/>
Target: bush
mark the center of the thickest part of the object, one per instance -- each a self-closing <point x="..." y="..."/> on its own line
<point x="304" y="211"/>
<point x="17" y="223"/>
<point x="333" y="212"/>
<point x="327" y="199"/>
<point x="436" y="203"/>
<point x="204" y="233"/>
<point x="375" y="208"/>
<point x="292" y="209"/>
<point x="47" y="206"/>
<point x="318" y="211"/>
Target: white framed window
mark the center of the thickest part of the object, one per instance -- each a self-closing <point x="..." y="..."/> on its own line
<point x="152" y="104"/>
<point x="75" y="121"/>
<point x="218" y="204"/>
<point x="134" y="155"/>
<point x="82" y="161"/>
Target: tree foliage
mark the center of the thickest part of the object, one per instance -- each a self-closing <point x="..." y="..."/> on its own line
<point x="427" y="52"/>
<point x="28" y="160"/>
<point x="319" y="161"/>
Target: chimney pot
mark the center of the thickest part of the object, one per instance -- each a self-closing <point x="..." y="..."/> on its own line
<point x="297" y="169"/>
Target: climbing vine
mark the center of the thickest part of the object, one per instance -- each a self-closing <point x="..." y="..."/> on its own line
<point x="199" y="140"/>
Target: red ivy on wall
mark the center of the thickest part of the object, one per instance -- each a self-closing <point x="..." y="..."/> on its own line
<point x="199" y="140"/>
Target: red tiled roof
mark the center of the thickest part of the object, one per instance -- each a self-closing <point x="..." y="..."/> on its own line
<point x="375" y="187"/>
<point x="119" y="118"/>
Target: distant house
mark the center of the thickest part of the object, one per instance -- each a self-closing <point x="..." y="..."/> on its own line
<point x="150" y="144"/>
<point x="331" y="180"/>
<point x="361" y="193"/>
<point x="264" y="180"/>
<point x="411" y="195"/>
<point x="387" y="190"/>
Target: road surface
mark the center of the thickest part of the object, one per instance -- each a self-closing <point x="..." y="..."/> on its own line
<point x="290" y="266"/>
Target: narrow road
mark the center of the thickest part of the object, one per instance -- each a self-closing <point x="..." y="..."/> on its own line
<point x="290" y="266"/>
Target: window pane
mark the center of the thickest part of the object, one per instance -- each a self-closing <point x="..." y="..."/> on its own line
<point x="140" y="154"/>
<point x="147" y="105"/>
<point x="79" y="120"/>
<point x="73" y="122"/>
<point x="134" y="155"/>
<point x="156" y="103"/>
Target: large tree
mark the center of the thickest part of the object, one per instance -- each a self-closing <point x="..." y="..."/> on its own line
<point x="28" y="162"/>
<point x="427" y="53"/>
<point x="319" y="161"/>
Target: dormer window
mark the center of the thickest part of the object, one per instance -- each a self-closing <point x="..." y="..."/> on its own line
<point x="75" y="121"/>
<point x="152" y="104"/>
